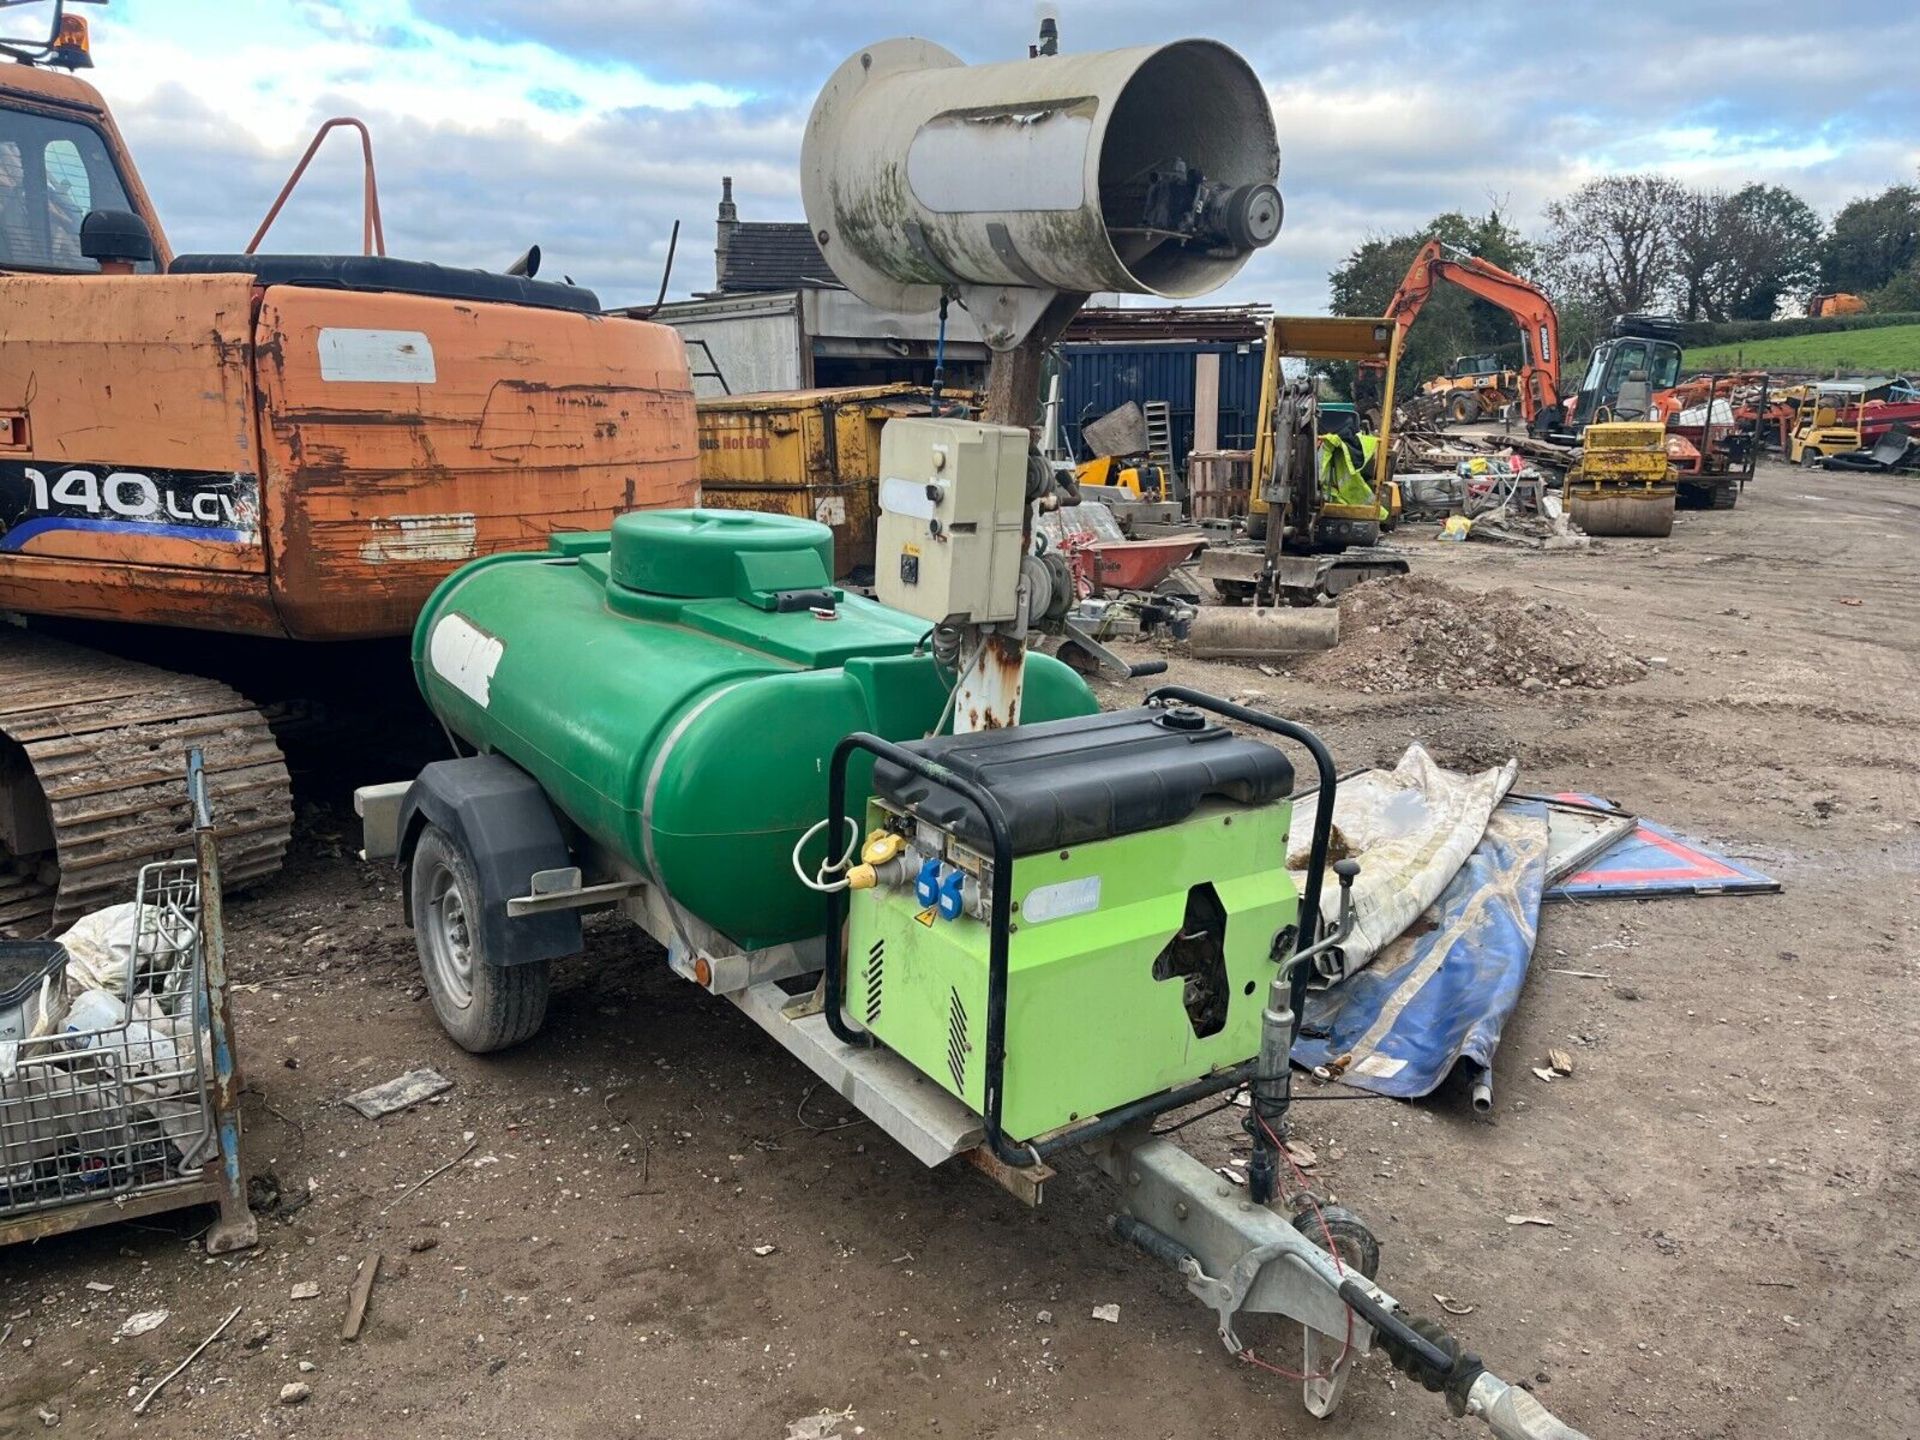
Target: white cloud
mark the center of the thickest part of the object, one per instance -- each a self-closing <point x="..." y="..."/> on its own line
<point x="275" y="74"/>
<point x="590" y="125"/>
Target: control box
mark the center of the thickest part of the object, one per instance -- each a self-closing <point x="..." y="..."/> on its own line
<point x="953" y="502"/>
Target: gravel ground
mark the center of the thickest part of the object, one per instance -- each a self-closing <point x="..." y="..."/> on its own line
<point x="661" y="1231"/>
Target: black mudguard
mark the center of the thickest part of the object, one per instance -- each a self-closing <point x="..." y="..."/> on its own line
<point x="499" y="816"/>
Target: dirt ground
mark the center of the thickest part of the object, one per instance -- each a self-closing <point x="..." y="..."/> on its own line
<point x="1731" y="1169"/>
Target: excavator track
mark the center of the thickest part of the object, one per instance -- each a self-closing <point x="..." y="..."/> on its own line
<point x="93" y="753"/>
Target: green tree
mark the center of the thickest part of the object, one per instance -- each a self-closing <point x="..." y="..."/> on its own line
<point x="1736" y="257"/>
<point x="1900" y="295"/>
<point x="1699" y="253"/>
<point x="1770" y="245"/>
<point x="1611" y="243"/>
<point x="1452" y="322"/>
<point x="1873" y="239"/>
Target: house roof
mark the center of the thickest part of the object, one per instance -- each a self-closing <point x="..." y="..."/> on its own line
<point x="774" y="255"/>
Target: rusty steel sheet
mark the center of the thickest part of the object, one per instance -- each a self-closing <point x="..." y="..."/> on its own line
<point x="403" y="435"/>
<point x="92" y="748"/>
<point x="1119" y="432"/>
<point x="814" y="454"/>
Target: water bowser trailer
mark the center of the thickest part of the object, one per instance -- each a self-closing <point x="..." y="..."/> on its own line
<point x="1010" y="928"/>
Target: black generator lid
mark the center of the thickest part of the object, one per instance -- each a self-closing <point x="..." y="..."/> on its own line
<point x="1067" y="782"/>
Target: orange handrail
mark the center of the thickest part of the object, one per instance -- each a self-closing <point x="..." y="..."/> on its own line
<point x="373" y="238"/>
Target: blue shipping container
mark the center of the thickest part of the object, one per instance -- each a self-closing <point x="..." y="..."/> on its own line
<point x="1098" y="378"/>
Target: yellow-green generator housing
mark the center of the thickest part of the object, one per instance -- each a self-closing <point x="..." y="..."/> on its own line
<point x="1151" y="904"/>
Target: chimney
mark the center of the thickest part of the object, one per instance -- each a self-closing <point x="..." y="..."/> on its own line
<point x="723" y="226"/>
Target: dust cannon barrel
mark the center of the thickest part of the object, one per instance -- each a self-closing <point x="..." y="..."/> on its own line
<point x="677" y="687"/>
<point x="1150" y="170"/>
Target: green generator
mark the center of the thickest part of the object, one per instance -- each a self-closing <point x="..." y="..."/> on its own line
<point x="1149" y="906"/>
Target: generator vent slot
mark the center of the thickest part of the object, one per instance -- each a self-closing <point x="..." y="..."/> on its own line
<point x="957" y="1041"/>
<point x="1196" y="956"/>
<point x="876" y="972"/>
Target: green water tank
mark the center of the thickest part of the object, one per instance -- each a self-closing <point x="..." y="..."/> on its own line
<point x="677" y="687"/>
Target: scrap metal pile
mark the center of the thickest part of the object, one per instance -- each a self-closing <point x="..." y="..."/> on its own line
<point x="1896" y="451"/>
<point x="1424" y="447"/>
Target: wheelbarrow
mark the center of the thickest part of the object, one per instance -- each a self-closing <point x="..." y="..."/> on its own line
<point x="1113" y="567"/>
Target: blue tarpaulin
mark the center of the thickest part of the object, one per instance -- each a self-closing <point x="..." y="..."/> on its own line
<point x="1442" y="992"/>
<point x="1653" y="862"/>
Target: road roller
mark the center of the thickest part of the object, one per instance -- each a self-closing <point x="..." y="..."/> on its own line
<point x="1623" y="483"/>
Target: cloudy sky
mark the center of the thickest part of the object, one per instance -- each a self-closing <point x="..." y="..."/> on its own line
<point x="589" y="126"/>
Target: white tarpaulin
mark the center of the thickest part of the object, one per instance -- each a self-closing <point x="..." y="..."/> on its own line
<point x="1697" y="415"/>
<point x="1411" y="828"/>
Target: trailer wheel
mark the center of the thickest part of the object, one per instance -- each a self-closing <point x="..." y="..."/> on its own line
<point x="1353" y="1242"/>
<point x="482" y="1005"/>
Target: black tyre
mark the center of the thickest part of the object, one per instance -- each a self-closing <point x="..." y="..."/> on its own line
<point x="1353" y="1242"/>
<point x="481" y="1005"/>
<point x="1464" y="408"/>
<point x="1077" y="658"/>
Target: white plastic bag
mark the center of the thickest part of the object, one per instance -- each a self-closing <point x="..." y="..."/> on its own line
<point x="91" y="1011"/>
<point x="100" y="948"/>
<point x="42" y="1109"/>
<point x="1410" y="828"/>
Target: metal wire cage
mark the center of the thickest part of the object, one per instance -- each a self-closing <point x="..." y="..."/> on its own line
<point x="127" y="1106"/>
<point x="97" y="1111"/>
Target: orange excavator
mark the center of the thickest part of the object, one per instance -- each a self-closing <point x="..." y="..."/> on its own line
<point x="286" y="447"/>
<point x="1536" y="381"/>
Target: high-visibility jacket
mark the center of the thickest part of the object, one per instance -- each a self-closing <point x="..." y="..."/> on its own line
<point x="1342" y="481"/>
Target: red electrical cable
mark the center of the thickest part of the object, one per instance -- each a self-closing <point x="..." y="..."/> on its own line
<point x="1346" y="1345"/>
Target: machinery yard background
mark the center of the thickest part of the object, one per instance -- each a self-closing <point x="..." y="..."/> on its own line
<point x="1729" y="1169"/>
<point x="816" y="839"/>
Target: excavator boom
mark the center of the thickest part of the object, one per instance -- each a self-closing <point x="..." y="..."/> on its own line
<point x="1522" y="299"/>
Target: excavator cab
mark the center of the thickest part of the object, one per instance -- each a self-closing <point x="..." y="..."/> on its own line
<point x="55" y="170"/>
<point x="1474" y="367"/>
<point x="1627" y="370"/>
